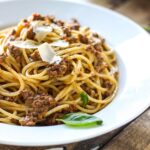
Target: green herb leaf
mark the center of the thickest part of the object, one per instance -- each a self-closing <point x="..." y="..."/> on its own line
<point x="147" y="28"/>
<point x="80" y="120"/>
<point x="84" y="98"/>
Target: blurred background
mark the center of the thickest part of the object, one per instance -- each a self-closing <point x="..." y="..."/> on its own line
<point x="137" y="10"/>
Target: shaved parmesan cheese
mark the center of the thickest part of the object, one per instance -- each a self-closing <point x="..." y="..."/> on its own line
<point x="48" y="54"/>
<point x="56" y="59"/>
<point x="44" y="29"/>
<point x="60" y="43"/>
<point x="23" y="33"/>
<point x="36" y="23"/>
<point x="57" y="29"/>
<point x="41" y="32"/>
<point x="113" y="70"/>
<point x="28" y="44"/>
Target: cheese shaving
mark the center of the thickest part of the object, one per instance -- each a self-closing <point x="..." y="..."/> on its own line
<point x="48" y="54"/>
<point x="28" y="44"/>
<point x="57" y="29"/>
<point x="41" y="32"/>
<point x="60" y="43"/>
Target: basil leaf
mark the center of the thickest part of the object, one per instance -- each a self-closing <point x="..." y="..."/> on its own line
<point x="84" y="98"/>
<point x="80" y="120"/>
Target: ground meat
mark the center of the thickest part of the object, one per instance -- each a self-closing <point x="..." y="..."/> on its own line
<point x="1" y="97"/>
<point x="26" y="96"/>
<point x="25" y="20"/>
<point x="37" y="17"/>
<point x="11" y="99"/>
<point x="26" y="93"/>
<point x="13" y="32"/>
<point x="50" y="19"/>
<point x="100" y="66"/>
<point x="83" y="39"/>
<point x="41" y="101"/>
<point x="74" y="25"/>
<point x="95" y="35"/>
<point x="89" y="90"/>
<point x="58" y="70"/>
<point x="67" y="31"/>
<point x="98" y="47"/>
<point x="2" y="58"/>
<point x="74" y="20"/>
<point x="15" y="121"/>
<point x="71" y="39"/>
<point x="30" y="34"/>
<point x="39" y="104"/>
<point x="107" y="84"/>
<point x="15" y="52"/>
<point x="60" y="23"/>
<point x="93" y="50"/>
<point x="27" y="121"/>
<point x="71" y="109"/>
<point x="51" y="120"/>
<point x="35" y="55"/>
<point x="7" y="98"/>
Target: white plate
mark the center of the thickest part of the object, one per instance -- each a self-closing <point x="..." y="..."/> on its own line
<point x="132" y="45"/>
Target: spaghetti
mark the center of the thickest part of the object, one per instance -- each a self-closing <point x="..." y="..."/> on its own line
<point x="50" y="67"/>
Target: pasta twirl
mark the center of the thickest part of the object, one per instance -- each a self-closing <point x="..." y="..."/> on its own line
<point x="50" y="67"/>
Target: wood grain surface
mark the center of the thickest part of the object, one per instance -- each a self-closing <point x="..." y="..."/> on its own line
<point x="134" y="136"/>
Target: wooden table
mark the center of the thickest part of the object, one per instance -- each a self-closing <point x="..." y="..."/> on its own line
<point x="135" y="135"/>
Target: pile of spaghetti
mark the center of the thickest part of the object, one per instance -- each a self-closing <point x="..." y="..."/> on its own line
<point x="50" y="67"/>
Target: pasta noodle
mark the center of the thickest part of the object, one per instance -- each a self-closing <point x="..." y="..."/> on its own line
<point x="48" y="67"/>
